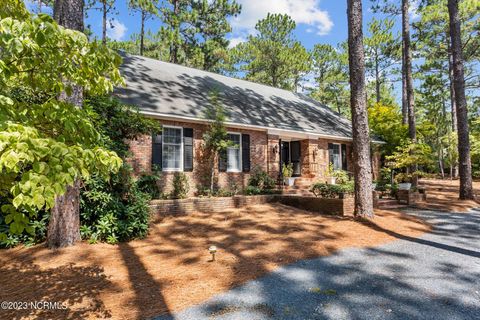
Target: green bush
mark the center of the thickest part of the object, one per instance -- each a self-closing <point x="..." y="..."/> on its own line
<point x="261" y="180"/>
<point x="35" y="232"/>
<point x="148" y="183"/>
<point x="180" y="186"/>
<point x="113" y="211"/>
<point x="325" y="190"/>
<point x="341" y="176"/>
<point x="252" y="190"/>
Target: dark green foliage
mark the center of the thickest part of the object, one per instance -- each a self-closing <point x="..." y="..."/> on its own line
<point x="35" y="232"/>
<point x="118" y="122"/>
<point x="261" y="180"/>
<point x="113" y="211"/>
<point x="117" y="210"/>
<point x="148" y="183"/>
<point x="252" y="190"/>
<point x="180" y="186"/>
<point x="325" y="190"/>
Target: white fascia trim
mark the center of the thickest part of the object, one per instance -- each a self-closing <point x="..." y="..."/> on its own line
<point x="273" y="131"/>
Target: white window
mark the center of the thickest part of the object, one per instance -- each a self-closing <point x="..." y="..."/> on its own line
<point x="234" y="156"/>
<point x="172" y="149"/>
<point x="336" y="156"/>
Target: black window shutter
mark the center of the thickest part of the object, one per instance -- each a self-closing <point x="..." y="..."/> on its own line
<point x="222" y="161"/>
<point x="344" y="157"/>
<point x="245" y="152"/>
<point x="157" y="151"/>
<point x="187" y="149"/>
<point x="330" y="153"/>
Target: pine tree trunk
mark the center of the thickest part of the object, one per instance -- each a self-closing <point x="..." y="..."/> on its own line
<point x="407" y="71"/>
<point x="465" y="165"/>
<point x="361" y="135"/>
<point x="64" y="224"/>
<point x="452" y="98"/>
<point x="174" y="45"/>
<point x="377" y="79"/>
<point x="104" y="22"/>
<point x="404" y="90"/>
<point x="142" y="32"/>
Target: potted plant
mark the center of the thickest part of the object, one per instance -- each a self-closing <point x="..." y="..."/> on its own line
<point x="287" y="172"/>
<point x="404" y="181"/>
<point x="330" y="174"/>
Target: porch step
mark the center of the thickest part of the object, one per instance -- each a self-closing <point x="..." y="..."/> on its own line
<point x="304" y="182"/>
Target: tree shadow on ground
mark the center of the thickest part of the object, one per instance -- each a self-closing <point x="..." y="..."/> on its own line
<point x="413" y="279"/>
<point x="76" y="288"/>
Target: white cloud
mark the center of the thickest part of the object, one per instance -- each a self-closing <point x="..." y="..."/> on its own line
<point x="116" y="30"/>
<point x="302" y="11"/>
<point x="236" y="40"/>
<point x="413" y="10"/>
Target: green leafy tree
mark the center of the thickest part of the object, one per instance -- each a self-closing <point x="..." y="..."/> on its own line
<point x="106" y="7"/>
<point x="385" y="122"/>
<point x="382" y="52"/>
<point x="330" y="71"/>
<point x="147" y="10"/>
<point x="273" y="56"/>
<point x="195" y="31"/>
<point x="216" y="137"/>
<point x="47" y="144"/>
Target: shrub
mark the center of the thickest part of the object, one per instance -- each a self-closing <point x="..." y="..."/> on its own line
<point x="113" y="211"/>
<point x="252" y="190"/>
<point x="325" y="190"/>
<point x="261" y="180"/>
<point x="341" y="176"/>
<point x="148" y="183"/>
<point x="180" y="186"/>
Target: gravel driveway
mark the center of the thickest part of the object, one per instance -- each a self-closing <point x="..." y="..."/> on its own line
<point x="436" y="277"/>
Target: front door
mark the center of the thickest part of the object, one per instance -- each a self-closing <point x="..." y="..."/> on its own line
<point x="291" y="154"/>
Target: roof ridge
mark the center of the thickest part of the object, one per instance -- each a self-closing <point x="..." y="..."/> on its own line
<point x="210" y="72"/>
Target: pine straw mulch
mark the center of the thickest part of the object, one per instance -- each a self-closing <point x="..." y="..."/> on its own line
<point x="442" y="195"/>
<point x="170" y="269"/>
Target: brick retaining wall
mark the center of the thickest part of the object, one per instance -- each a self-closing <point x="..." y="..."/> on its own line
<point x="338" y="207"/>
<point x="213" y="204"/>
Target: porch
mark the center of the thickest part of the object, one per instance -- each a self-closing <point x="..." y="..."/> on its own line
<point x="310" y="156"/>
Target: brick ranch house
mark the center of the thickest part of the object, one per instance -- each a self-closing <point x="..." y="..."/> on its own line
<point x="271" y="126"/>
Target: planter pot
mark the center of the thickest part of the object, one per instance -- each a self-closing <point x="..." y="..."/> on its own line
<point x="404" y="186"/>
<point x="289" y="181"/>
<point x="331" y="180"/>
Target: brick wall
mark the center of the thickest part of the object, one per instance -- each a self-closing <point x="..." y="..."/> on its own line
<point x="141" y="159"/>
<point x="162" y="208"/>
<point x="339" y="207"/>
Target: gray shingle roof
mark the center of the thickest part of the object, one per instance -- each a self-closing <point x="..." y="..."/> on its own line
<point x="164" y="88"/>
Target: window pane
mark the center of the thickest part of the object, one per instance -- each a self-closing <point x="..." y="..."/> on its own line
<point x="337" y="165"/>
<point x="235" y="138"/>
<point x="233" y="159"/>
<point x="172" y="135"/>
<point x="171" y="156"/>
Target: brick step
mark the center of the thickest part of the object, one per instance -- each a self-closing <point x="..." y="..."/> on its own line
<point x="298" y="192"/>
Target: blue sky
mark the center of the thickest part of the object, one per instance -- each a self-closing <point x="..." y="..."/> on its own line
<point x="318" y="21"/>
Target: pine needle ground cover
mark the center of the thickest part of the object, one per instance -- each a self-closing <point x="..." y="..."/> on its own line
<point x="171" y="269"/>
